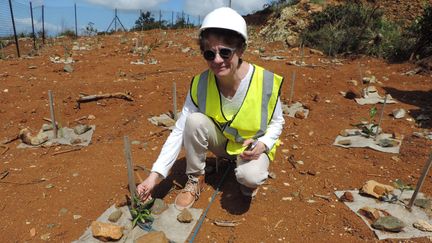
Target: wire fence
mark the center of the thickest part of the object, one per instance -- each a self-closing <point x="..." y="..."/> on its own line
<point x="33" y="23"/>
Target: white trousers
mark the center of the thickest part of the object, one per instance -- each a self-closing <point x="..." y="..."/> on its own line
<point x="202" y="135"/>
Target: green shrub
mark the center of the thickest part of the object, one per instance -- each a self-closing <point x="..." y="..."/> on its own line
<point x="68" y="33"/>
<point x="343" y="28"/>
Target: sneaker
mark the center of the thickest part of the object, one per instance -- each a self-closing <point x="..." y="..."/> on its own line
<point x="248" y="192"/>
<point x="190" y="193"/>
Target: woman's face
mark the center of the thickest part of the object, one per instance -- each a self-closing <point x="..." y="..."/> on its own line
<point x="222" y="65"/>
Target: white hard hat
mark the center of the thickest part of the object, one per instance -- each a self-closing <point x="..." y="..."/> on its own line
<point x="225" y="18"/>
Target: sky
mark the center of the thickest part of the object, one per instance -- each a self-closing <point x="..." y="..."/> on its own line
<point x="59" y="14"/>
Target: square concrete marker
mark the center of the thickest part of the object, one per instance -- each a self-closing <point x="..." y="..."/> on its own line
<point x="397" y="210"/>
<point x="167" y="222"/>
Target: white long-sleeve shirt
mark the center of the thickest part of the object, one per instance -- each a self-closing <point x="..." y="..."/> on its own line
<point x="173" y="144"/>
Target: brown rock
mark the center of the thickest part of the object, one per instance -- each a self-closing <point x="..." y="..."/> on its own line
<point x="153" y="237"/>
<point x="316" y="98"/>
<point x="300" y="115"/>
<point x="184" y="216"/>
<point x="347" y="197"/>
<point x="106" y="231"/>
<point x="352" y="94"/>
<point x="344" y="142"/>
<point x="375" y="189"/>
<point x="114" y="216"/>
<point x="370" y="213"/>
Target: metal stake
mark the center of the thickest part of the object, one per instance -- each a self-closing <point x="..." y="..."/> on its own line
<point x="51" y="105"/>
<point x="175" y="101"/>
<point x="292" y="87"/>
<point x="381" y="115"/>
<point x="420" y="181"/>
<point x="131" y="178"/>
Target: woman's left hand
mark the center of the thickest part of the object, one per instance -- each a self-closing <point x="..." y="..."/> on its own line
<point x="255" y="152"/>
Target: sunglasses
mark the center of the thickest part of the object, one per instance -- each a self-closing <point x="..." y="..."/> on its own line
<point x="225" y="53"/>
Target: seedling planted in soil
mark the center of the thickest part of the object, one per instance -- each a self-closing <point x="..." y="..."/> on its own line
<point x="141" y="213"/>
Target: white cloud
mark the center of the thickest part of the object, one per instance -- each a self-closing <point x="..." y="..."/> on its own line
<point x="127" y="4"/>
<point x="24" y="25"/>
<point x="205" y="6"/>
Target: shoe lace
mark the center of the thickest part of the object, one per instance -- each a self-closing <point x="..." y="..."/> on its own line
<point x="192" y="186"/>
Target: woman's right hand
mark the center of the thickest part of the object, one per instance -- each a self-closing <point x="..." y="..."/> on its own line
<point x="146" y="187"/>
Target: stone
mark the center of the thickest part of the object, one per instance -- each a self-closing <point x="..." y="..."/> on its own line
<point x="316" y="52"/>
<point x="347" y="197"/>
<point x="423" y="203"/>
<point x="370" y="213"/>
<point x="345" y="142"/>
<point x="422" y="225"/>
<point x="389" y="223"/>
<point x="300" y="115"/>
<point x="32" y="232"/>
<point x="184" y="216"/>
<point x="115" y="216"/>
<point x="46" y="236"/>
<point x="272" y="175"/>
<point x="68" y="68"/>
<point x="159" y="206"/>
<point x="76" y="216"/>
<point x="91" y="117"/>
<point x="153" y="237"/>
<point x="81" y="129"/>
<point x="375" y="189"/>
<point x="398" y="113"/>
<point x="106" y="231"/>
<point x="386" y="143"/>
<point x="352" y="94"/>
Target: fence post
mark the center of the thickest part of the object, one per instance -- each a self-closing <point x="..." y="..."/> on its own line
<point x="34" y="35"/>
<point x="115" y="20"/>
<point x="43" y="24"/>
<point x="160" y="19"/>
<point x="14" y="29"/>
<point x="172" y="19"/>
<point x="76" y="22"/>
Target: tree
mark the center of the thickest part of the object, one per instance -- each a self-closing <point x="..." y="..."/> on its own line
<point x="147" y="22"/>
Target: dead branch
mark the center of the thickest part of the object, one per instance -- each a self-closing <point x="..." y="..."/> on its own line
<point x="226" y="223"/>
<point x="9" y="140"/>
<point x="118" y="95"/>
<point x="66" y="151"/>
<point x="6" y="148"/>
<point x="327" y="198"/>
<point x="4" y="174"/>
<point x="23" y="183"/>
<point x="292" y="161"/>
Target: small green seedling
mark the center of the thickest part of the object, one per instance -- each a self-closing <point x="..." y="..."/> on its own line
<point x="369" y="127"/>
<point x="141" y="213"/>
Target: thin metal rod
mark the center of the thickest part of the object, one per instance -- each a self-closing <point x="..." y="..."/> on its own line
<point x="76" y="22"/>
<point x="43" y="24"/>
<point x="51" y="105"/>
<point x="129" y="163"/>
<point x="14" y="29"/>
<point x="381" y="116"/>
<point x="175" y="101"/>
<point x="292" y="87"/>
<point x="33" y="31"/>
<point x="425" y="171"/>
<point x="208" y="206"/>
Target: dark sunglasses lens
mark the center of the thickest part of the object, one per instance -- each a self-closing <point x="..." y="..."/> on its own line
<point x="209" y="55"/>
<point x="225" y="53"/>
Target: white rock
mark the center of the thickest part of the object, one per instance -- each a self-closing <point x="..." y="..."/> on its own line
<point x="398" y="113"/>
<point x="422" y="225"/>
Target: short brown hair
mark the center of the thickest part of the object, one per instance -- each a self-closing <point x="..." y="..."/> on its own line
<point x="229" y="37"/>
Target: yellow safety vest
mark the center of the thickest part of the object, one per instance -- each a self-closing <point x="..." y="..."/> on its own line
<point x="254" y="114"/>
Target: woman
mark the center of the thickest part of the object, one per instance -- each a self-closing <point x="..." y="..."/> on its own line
<point x="232" y="109"/>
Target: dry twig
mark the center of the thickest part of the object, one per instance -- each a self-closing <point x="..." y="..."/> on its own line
<point x="226" y="223"/>
<point x="66" y="151"/>
<point x="89" y="98"/>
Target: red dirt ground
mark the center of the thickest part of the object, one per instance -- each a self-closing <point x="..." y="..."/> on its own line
<point x="88" y="181"/>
